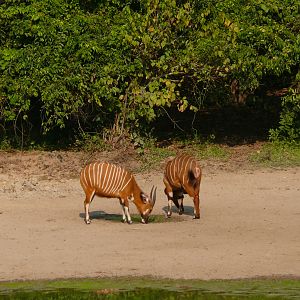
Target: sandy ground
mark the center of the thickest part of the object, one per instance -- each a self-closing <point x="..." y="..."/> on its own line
<point x="249" y="226"/>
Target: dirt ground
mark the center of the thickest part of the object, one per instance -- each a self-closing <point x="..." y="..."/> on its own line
<point x="249" y="226"/>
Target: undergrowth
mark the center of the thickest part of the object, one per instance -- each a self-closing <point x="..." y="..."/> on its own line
<point x="208" y="150"/>
<point x="152" y="155"/>
<point x="278" y="154"/>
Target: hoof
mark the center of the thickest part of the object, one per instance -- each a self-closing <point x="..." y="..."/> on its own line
<point x="129" y="222"/>
<point x="144" y="221"/>
<point x="180" y="212"/>
<point x="87" y="221"/>
<point x="124" y="221"/>
<point x="196" y="217"/>
<point x="169" y="215"/>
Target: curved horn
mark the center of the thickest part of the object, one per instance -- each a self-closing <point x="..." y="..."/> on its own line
<point x="153" y="195"/>
<point x="151" y="192"/>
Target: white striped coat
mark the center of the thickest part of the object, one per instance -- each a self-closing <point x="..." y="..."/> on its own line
<point x="182" y="176"/>
<point x="112" y="181"/>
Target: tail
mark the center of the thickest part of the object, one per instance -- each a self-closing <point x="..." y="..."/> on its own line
<point x="194" y="175"/>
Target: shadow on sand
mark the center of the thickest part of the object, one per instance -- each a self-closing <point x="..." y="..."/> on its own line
<point x="188" y="210"/>
<point x="102" y="215"/>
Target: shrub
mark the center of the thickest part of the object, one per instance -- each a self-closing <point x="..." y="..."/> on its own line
<point x="289" y="124"/>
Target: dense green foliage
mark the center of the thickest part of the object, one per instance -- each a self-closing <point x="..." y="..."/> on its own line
<point x="289" y="125"/>
<point x="93" y="66"/>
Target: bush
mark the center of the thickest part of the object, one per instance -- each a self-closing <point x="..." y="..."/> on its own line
<point x="96" y="65"/>
<point x="289" y="124"/>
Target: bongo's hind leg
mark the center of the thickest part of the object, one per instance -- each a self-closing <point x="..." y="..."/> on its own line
<point x="197" y="200"/>
<point x="178" y="195"/>
<point x="181" y="208"/>
<point x="88" y="199"/>
<point x="169" y="193"/>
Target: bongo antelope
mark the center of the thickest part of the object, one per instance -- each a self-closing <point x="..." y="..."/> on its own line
<point x="182" y="176"/>
<point x="111" y="181"/>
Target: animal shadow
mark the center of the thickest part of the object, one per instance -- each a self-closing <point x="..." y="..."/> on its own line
<point x="188" y="210"/>
<point x="102" y="215"/>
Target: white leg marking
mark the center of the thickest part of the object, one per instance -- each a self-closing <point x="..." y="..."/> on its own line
<point x="87" y="206"/>
<point x="169" y="208"/>
<point x="180" y="201"/>
<point x="123" y="212"/>
<point x="87" y="217"/>
<point x="127" y="214"/>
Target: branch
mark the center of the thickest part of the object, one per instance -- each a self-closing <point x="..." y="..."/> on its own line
<point x="174" y="122"/>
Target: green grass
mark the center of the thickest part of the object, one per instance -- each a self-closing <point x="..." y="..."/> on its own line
<point x="137" y="287"/>
<point x="152" y="156"/>
<point x="272" y="154"/>
<point x="91" y="143"/>
<point x="5" y="144"/>
<point x="204" y="148"/>
<point x="278" y="154"/>
<point x="209" y="151"/>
